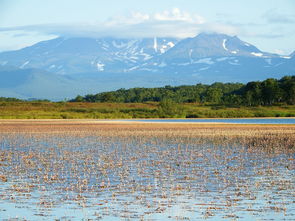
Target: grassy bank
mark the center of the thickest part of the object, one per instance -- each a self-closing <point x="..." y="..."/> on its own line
<point x="68" y="110"/>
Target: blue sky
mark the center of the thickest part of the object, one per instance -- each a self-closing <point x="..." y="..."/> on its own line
<point x="268" y="24"/>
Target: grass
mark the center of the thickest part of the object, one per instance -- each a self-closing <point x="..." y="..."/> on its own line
<point x="67" y="110"/>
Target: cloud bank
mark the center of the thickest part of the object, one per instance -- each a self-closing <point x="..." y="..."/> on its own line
<point x="274" y="16"/>
<point x="172" y="23"/>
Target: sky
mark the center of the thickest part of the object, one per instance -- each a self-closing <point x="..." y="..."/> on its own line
<point x="268" y="24"/>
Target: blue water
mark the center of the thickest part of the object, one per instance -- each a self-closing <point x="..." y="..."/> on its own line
<point x="142" y="178"/>
<point x="226" y="120"/>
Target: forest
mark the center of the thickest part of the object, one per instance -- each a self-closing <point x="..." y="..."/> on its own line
<point x="265" y="93"/>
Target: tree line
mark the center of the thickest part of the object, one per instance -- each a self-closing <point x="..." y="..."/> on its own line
<point x="267" y="92"/>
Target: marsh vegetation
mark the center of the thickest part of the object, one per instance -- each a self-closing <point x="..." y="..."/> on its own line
<point x="73" y="170"/>
<point x="165" y="109"/>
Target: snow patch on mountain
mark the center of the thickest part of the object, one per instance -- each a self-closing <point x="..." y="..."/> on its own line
<point x="222" y="59"/>
<point x="223" y="44"/>
<point x="182" y="64"/>
<point x="146" y="56"/>
<point x="204" y="61"/>
<point x="100" y="66"/>
<point x="162" y="50"/>
<point x="203" y="69"/>
<point x="121" y="45"/>
<point x="105" y="45"/>
<point x="257" y="54"/>
<point x="133" y="58"/>
<point x="190" y="55"/>
<point x="24" y="64"/>
<point x="163" y="64"/>
<point x="171" y="44"/>
<point x="234" y="62"/>
<point x="155" y="45"/>
<point x="133" y="68"/>
<point x="148" y="69"/>
<point x="225" y="48"/>
<point x="286" y="57"/>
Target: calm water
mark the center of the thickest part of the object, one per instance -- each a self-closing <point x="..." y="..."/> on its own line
<point x="232" y="120"/>
<point x="85" y="177"/>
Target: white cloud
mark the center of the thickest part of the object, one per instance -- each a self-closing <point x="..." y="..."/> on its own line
<point x="134" y="18"/>
<point x="174" y="15"/>
<point x="169" y="23"/>
<point x="177" y="15"/>
<point x="221" y="28"/>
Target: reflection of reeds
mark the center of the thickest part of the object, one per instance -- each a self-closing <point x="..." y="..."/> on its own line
<point x="217" y="169"/>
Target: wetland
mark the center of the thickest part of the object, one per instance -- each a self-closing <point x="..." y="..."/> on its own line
<point x="112" y="170"/>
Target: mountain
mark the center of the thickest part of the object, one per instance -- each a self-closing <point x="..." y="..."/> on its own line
<point x="40" y="84"/>
<point x="218" y="57"/>
<point x="64" y="67"/>
<point x="80" y="55"/>
<point x="34" y="83"/>
<point x="208" y="45"/>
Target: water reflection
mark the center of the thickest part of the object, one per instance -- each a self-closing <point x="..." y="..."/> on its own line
<point x="93" y="177"/>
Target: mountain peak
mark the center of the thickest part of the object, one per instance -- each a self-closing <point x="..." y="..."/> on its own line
<point x="213" y="45"/>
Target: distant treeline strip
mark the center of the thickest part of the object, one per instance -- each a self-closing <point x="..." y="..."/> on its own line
<point x="267" y="92"/>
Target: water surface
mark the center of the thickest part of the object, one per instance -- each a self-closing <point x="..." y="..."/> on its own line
<point x="226" y="120"/>
<point x="85" y="176"/>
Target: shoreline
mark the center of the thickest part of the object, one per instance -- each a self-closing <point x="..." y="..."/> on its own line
<point x="55" y="125"/>
<point x="143" y="121"/>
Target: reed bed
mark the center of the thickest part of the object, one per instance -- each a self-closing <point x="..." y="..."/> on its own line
<point x="77" y="170"/>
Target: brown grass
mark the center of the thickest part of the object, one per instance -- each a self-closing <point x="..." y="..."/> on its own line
<point x="211" y="169"/>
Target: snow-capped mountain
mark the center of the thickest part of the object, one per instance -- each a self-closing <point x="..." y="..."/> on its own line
<point x="79" y="55"/>
<point x="213" y="45"/>
<point x="218" y="57"/>
<point x="89" y="65"/>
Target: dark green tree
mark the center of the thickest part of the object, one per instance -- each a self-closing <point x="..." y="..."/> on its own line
<point x="168" y="108"/>
<point x="270" y="92"/>
<point x="214" y="95"/>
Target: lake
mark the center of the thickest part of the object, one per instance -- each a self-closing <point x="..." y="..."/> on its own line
<point x="226" y="120"/>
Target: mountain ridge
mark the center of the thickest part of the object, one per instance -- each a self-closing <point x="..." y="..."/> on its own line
<point x="90" y="65"/>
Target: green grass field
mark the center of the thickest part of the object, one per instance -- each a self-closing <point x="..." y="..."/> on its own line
<point x="68" y="110"/>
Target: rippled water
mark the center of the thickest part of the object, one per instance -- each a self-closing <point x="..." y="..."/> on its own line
<point x="227" y="120"/>
<point x="91" y="177"/>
